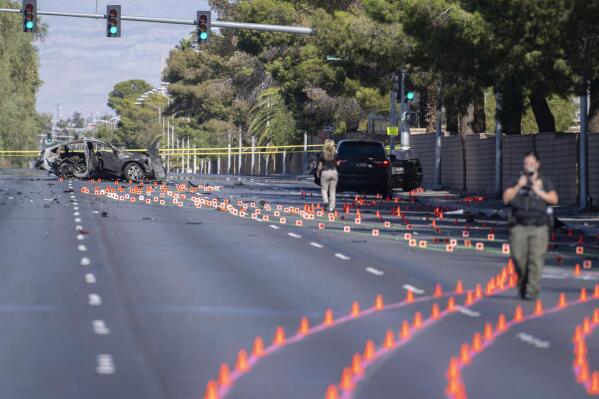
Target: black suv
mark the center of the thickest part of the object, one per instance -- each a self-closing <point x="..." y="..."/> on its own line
<point x="364" y="167"/>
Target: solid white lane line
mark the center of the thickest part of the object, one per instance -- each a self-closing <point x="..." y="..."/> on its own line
<point x="413" y="289"/>
<point x="374" y="271"/>
<point x="272" y="226"/>
<point x="82" y="248"/>
<point x="294" y="235"/>
<point x="85" y="262"/>
<point x="94" y="300"/>
<point x="105" y="364"/>
<point x="529" y="339"/>
<point x="90" y="278"/>
<point x="100" y="327"/>
<point x="317" y="245"/>
<point x="468" y="312"/>
<point x="341" y="256"/>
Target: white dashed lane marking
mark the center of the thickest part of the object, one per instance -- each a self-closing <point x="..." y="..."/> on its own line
<point x="294" y="235"/>
<point x="374" y="271"/>
<point x="85" y="262"/>
<point x="90" y="278"/>
<point x="80" y="237"/>
<point x="342" y="257"/>
<point x="105" y="364"/>
<point x="468" y="312"/>
<point x="82" y="248"/>
<point x="272" y="226"/>
<point x="413" y="289"/>
<point x="75" y="213"/>
<point x="77" y="220"/>
<point x="100" y="327"/>
<point x="529" y="339"/>
<point x="94" y="300"/>
<point x="316" y="245"/>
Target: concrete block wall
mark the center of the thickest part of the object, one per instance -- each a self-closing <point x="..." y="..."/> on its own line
<point x="452" y="166"/>
<point x="558" y="153"/>
<point x="480" y="164"/>
<point x="423" y="148"/>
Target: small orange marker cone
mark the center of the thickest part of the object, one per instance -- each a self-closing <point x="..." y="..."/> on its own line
<point x="224" y="376"/>
<point x="332" y="392"/>
<point x="328" y="317"/>
<point x="258" y="347"/>
<point x="583" y="294"/>
<point x="438" y="290"/>
<point x="596" y="316"/>
<point x="451" y="304"/>
<point x="347" y="383"/>
<point x="577" y="269"/>
<point x="477" y="342"/>
<point x="501" y="324"/>
<point x="563" y="302"/>
<point x="459" y="289"/>
<point x="242" y="361"/>
<point x="369" y="350"/>
<point x="465" y="354"/>
<point x="279" y="336"/>
<point x="417" y="320"/>
<point x="355" y="309"/>
<point x="469" y="298"/>
<point x="211" y="390"/>
<point x="488" y="333"/>
<point x="453" y="371"/>
<point x="389" y="339"/>
<point x="583" y="374"/>
<point x="379" y="303"/>
<point x="478" y="291"/>
<point x="596" y="293"/>
<point x="356" y="365"/>
<point x="304" y="326"/>
<point x="594" y="388"/>
<point x="435" y="311"/>
<point x="538" y="307"/>
<point x="405" y="330"/>
<point x="518" y="314"/>
<point x="410" y="296"/>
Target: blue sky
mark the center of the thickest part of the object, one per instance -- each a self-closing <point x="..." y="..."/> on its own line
<point x="80" y="65"/>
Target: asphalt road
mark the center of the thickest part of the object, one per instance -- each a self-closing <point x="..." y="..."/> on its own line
<point x="105" y="298"/>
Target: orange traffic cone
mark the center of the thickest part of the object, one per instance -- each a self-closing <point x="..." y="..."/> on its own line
<point x="304" y="326"/>
<point x="347" y="383"/>
<point x="258" y="347"/>
<point x="332" y="392"/>
<point x="389" y="339"/>
<point x="538" y="308"/>
<point x="224" y="376"/>
<point x="438" y="290"/>
<point x="211" y="390"/>
<point x="356" y="365"/>
<point x="328" y="317"/>
<point x="279" y="336"/>
<point x="369" y="350"/>
<point x="355" y="309"/>
<point x="379" y="304"/>
<point x="242" y="361"/>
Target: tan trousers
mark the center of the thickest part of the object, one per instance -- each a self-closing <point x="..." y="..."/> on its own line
<point x="328" y="187"/>
<point x="528" y="246"/>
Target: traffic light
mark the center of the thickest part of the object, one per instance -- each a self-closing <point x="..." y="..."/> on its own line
<point x="410" y="90"/>
<point x="113" y="21"/>
<point x="203" y="22"/>
<point x="48" y="137"/>
<point x="29" y="11"/>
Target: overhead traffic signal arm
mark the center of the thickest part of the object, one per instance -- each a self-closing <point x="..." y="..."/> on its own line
<point x="29" y="12"/>
<point x="203" y="25"/>
<point x="113" y="21"/>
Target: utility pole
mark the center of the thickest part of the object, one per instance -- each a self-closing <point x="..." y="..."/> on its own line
<point x="253" y="155"/>
<point x="438" y="134"/>
<point x="239" y="155"/>
<point x="229" y="154"/>
<point x="498" y="143"/>
<point x="393" y="108"/>
<point x="583" y="147"/>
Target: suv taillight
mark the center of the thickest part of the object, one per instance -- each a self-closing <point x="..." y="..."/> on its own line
<point x="382" y="164"/>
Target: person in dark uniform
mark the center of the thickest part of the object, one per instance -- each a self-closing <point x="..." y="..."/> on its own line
<point x="528" y="197"/>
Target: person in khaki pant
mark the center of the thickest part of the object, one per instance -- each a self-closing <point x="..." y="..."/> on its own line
<point x="528" y="198"/>
<point x="327" y="172"/>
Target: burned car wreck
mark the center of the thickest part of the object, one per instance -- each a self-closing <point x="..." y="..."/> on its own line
<point x="92" y="158"/>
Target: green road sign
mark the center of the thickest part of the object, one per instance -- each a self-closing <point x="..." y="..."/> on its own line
<point x="393" y="131"/>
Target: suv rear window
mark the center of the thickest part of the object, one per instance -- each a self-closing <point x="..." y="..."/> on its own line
<point x="361" y="149"/>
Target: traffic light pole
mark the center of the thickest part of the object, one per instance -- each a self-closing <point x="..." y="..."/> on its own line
<point x="404" y="109"/>
<point x="393" y="110"/>
<point x="218" y="24"/>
